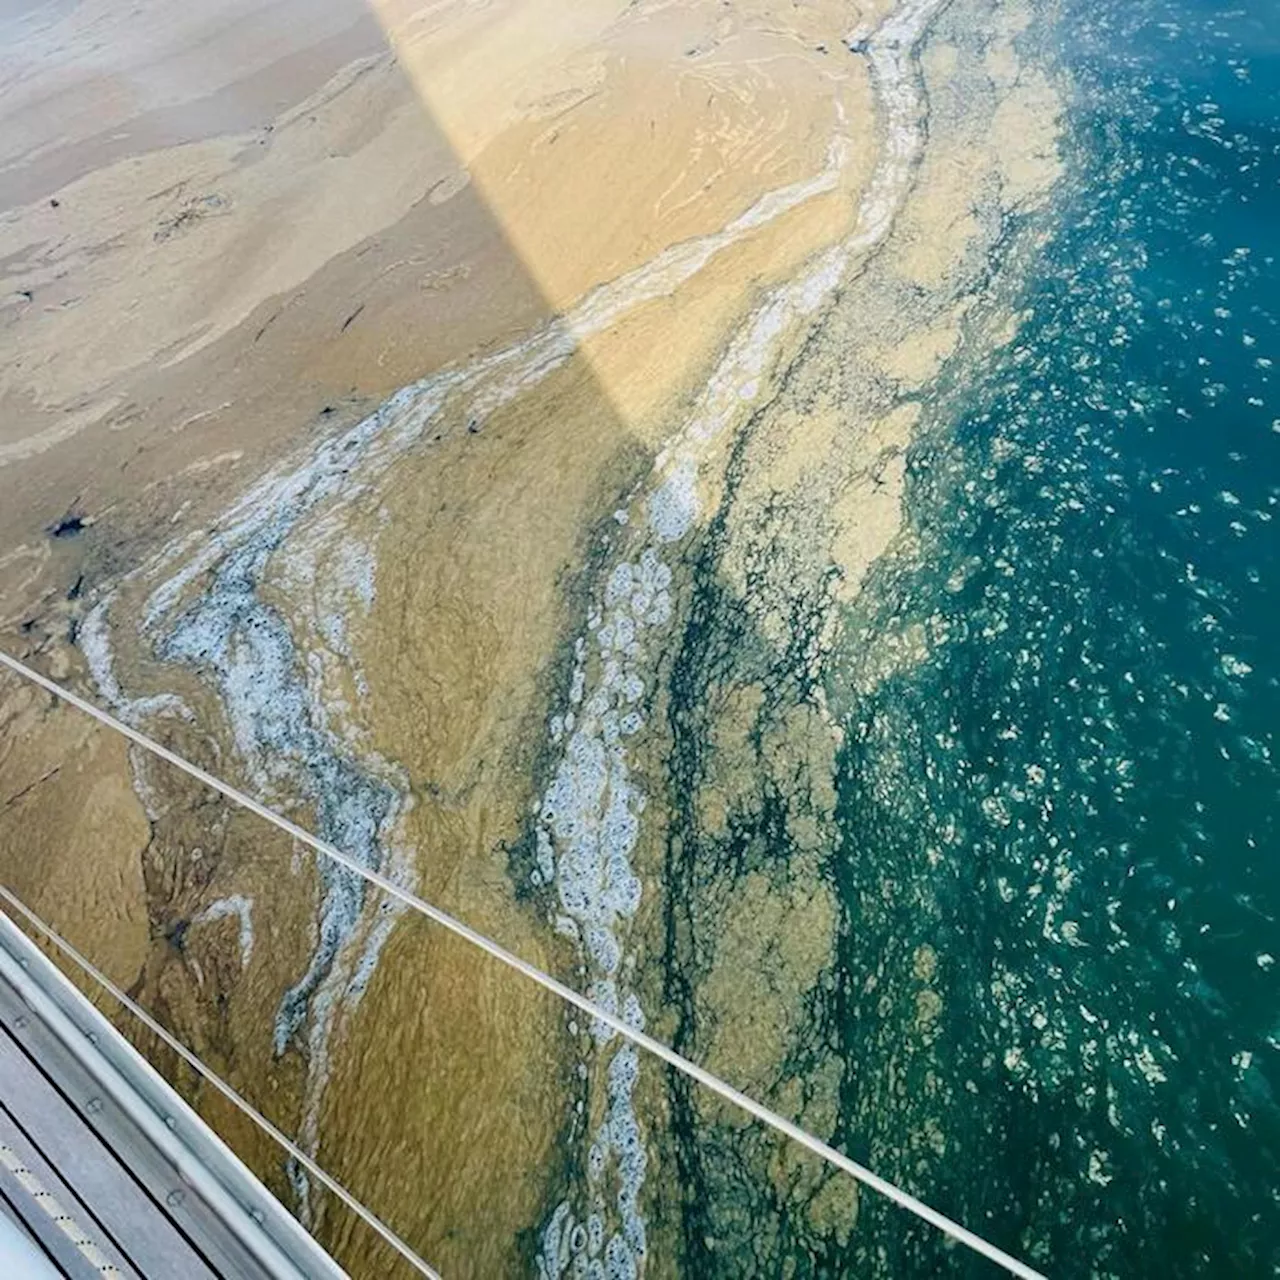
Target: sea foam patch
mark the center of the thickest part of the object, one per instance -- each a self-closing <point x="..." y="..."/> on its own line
<point x="589" y="823"/>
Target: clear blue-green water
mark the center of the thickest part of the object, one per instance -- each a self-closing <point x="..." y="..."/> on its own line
<point x="1072" y="798"/>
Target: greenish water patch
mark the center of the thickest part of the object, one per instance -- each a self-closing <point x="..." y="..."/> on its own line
<point x="1067" y="794"/>
<point x="758" y="897"/>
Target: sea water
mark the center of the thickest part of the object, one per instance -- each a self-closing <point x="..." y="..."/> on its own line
<point x="1062" y="804"/>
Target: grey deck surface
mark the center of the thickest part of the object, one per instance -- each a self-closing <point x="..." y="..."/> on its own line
<point x="79" y="1177"/>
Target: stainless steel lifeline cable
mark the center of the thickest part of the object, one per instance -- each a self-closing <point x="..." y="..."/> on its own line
<point x="639" y="1038"/>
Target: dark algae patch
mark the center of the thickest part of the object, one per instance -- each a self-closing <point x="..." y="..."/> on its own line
<point x="68" y="526"/>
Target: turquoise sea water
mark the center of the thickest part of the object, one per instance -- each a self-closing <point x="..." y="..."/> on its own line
<point x="1071" y="800"/>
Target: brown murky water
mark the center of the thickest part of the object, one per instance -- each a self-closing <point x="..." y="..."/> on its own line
<point x="650" y="297"/>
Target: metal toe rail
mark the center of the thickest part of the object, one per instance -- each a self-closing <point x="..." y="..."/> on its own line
<point x="162" y="1125"/>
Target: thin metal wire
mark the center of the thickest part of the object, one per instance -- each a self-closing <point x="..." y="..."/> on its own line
<point x="641" y="1039"/>
<point x="221" y="1085"/>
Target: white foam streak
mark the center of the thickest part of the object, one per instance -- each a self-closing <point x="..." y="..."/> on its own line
<point x="590" y="819"/>
<point x="241" y="908"/>
<point x="273" y="673"/>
